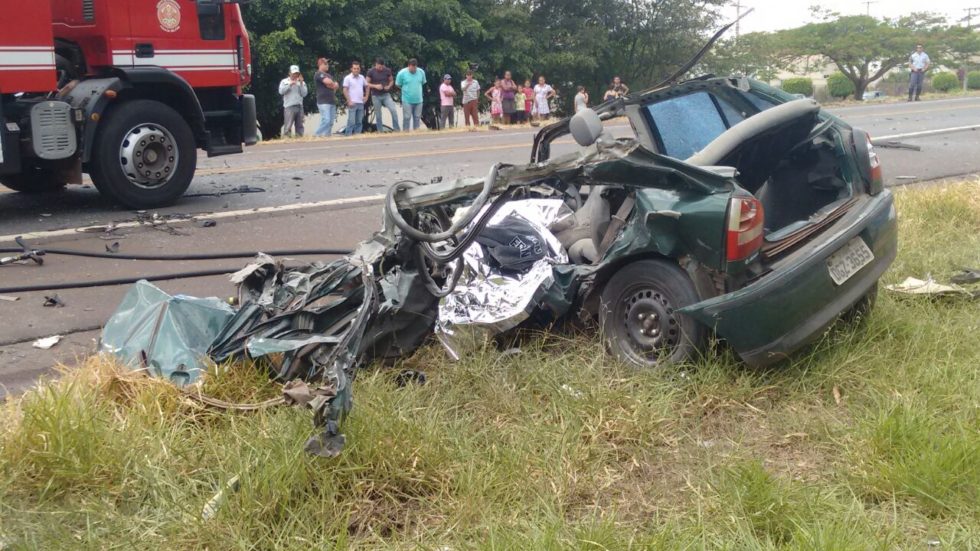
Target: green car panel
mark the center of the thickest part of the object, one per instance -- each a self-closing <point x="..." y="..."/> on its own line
<point x="794" y="304"/>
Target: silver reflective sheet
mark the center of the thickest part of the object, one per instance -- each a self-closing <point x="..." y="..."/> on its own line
<point x="486" y="302"/>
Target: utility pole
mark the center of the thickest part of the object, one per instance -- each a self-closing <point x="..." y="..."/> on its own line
<point x="738" y="16"/>
<point x="969" y="16"/>
<point x="867" y="6"/>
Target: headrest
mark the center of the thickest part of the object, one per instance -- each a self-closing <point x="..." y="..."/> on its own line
<point x="585" y="126"/>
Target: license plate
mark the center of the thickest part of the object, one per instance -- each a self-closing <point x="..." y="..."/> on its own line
<point x="848" y="260"/>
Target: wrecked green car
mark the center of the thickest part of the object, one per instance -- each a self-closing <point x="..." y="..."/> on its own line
<point x="732" y="209"/>
<point x="736" y="209"/>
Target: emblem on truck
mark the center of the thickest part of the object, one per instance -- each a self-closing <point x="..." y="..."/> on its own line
<point x="168" y="14"/>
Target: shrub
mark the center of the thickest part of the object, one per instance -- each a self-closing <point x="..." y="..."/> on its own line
<point x="944" y="82"/>
<point x="973" y="80"/>
<point x="798" y="85"/>
<point x="839" y="85"/>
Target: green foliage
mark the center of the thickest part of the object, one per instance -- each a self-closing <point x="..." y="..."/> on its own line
<point x="571" y="43"/>
<point x="758" y="55"/>
<point x="863" y="48"/>
<point x="839" y="86"/>
<point x="973" y="80"/>
<point x="944" y="82"/>
<point x="798" y="85"/>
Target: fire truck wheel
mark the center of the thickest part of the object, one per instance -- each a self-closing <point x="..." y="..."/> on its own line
<point x="145" y="155"/>
<point x="33" y="180"/>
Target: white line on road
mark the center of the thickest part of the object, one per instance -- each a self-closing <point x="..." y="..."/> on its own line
<point x="210" y="216"/>
<point x="924" y="133"/>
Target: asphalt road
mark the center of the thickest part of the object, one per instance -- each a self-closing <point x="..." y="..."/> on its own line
<point x="308" y="171"/>
<point x="344" y="177"/>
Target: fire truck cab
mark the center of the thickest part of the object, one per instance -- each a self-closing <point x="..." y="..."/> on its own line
<point x="124" y="90"/>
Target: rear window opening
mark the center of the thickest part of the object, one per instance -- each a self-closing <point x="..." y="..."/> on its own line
<point x="797" y="167"/>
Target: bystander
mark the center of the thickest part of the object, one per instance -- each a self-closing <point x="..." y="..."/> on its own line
<point x="355" y="88"/>
<point x="410" y="80"/>
<point x="380" y="81"/>
<point x="293" y="89"/>
<point x="326" y="97"/>
<point x="918" y="65"/>
<point x="471" y="100"/>
<point x="447" y="103"/>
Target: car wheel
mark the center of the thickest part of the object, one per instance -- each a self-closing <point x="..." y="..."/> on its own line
<point x="145" y="155"/>
<point x="639" y="319"/>
<point x="34" y="180"/>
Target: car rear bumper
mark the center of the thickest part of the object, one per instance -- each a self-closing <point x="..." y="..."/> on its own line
<point x="790" y="307"/>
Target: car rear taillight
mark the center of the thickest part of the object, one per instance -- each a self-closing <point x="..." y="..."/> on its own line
<point x="867" y="160"/>
<point x="874" y="175"/>
<point x="745" y="222"/>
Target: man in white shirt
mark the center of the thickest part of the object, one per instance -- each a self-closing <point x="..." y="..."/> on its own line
<point x="918" y="65"/>
<point x="293" y="89"/>
<point x="355" y="89"/>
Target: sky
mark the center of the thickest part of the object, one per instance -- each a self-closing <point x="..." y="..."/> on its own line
<point x="771" y="15"/>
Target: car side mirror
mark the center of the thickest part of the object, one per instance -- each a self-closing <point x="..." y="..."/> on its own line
<point x="585" y="127"/>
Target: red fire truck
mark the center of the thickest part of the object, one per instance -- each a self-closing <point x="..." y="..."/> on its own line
<point x="124" y="90"/>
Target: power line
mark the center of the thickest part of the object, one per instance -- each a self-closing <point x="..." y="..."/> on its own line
<point x="867" y="6"/>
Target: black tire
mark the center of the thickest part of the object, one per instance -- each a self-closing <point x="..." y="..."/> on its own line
<point x="34" y="180"/>
<point x="169" y="175"/>
<point x="638" y="318"/>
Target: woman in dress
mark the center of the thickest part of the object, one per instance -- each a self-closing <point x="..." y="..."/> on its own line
<point x="494" y="94"/>
<point x="543" y="92"/>
<point x="581" y="99"/>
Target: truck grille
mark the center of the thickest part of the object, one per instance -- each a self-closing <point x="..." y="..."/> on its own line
<point x="52" y="130"/>
<point x="88" y="10"/>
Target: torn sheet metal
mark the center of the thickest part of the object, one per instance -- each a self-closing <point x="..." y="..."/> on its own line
<point x="489" y="300"/>
<point x="167" y="335"/>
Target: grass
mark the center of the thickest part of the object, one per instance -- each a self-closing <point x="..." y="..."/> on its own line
<point x="869" y="440"/>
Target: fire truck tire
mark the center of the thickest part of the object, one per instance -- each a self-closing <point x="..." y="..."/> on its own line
<point x="33" y="180"/>
<point x="144" y="156"/>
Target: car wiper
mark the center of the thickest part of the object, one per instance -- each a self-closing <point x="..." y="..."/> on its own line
<point x="697" y="57"/>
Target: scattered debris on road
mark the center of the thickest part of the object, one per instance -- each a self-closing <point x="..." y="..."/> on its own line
<point x="53" y="301"/>
<point x="6" y="298"/>
<point x="47" y="342"/>
<point x="112" y="247"/>
<point x="893" y="144"/>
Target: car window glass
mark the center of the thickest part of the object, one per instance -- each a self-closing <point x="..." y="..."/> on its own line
<point x="732" y="115"/>
<point x="759" y="101"/>
<point x="686" y="124"/>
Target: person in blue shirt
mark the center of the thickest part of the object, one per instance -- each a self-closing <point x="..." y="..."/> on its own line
<point x="410" y="80"/>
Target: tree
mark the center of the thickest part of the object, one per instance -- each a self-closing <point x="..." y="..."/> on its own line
<point x="863" y="48"/>
<point x="442" y="34"/>
<point x="758" y="55"/>
<point x="571" y="42"/>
